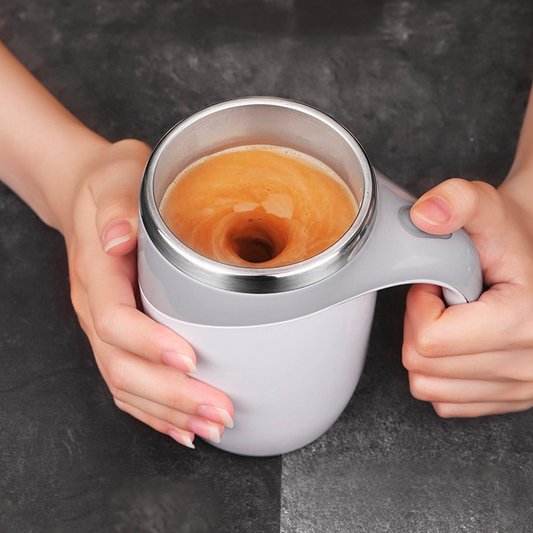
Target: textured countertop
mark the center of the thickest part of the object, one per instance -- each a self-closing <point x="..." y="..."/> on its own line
<point x="432" y="90"/>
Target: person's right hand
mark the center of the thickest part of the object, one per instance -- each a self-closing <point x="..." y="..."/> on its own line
<point x="475" y="359"/>
<point x="144" y="364"/>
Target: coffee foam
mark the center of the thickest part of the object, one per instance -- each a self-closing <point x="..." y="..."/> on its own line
<point x="258" y="206"/>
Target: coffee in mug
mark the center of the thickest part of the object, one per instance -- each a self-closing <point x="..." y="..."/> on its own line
<point x="258" y="206"/>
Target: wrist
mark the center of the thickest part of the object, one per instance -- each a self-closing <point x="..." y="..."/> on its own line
<point x="518" y="189"/>
<point x="68" y="169"/>
<point x="42" y="145"/>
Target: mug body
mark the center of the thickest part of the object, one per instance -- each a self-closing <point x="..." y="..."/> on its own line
<point x="289" y="381"/>
<point x="288" y="360"/>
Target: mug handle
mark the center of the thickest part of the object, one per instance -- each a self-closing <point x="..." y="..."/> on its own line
<point x="397" y="252"/>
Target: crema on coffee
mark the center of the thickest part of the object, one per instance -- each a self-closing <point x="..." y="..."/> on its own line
<point x="258" y="206"/>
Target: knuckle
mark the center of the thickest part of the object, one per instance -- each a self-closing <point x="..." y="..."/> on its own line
<point x="487" y="191"/>
<point x="77" y="264"/>
<point x="112" y="208"/>
<point x="463" y="191"/>
<point x="469" y="194"/>
<point x="103" y="324"/>
<point x="485" y="188"/>
<point x="134" y="147"/>
<point x="522" y="392"/>
<point x="413" y="296"/>
<point x="176" y="402"/>
<point x="77" y="300"/>
<point x="525" y="334"/>
<point x="444" y="410"/>
<point x="525" y="406"/>
<point x="116" y="379"/>
<point x="119" y="403"/>
<point x="527" y="376"/>
<point x="424" y="343"/>
<point x="420" y="387"/>
<point x="79" y="304"/>
<point x="411" y="360"/>
<point x="179" y="401"/>
<point x="151" y="344"/>
<point x="162" y="333"/>
<point x="126" y="158"/>
<point x="520" y="371"/>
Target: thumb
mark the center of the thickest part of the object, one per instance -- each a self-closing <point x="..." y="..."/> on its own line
<point x="116" y="193"/>
<point x="119" y="237"/>
<point x="457" y="203"/>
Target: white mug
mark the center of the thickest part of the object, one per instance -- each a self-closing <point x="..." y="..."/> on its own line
<point x="287" y="344"/>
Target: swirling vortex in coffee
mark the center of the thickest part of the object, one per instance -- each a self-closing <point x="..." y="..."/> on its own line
<point x="258" y="206"/>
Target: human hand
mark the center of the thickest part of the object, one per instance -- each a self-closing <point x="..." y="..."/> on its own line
<point x="143" y="363"/>
<point x="475" y="359"/>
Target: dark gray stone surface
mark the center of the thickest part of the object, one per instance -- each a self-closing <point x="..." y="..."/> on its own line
<point x="432" y="90"/>
<point x="390" y="464"/>
<point x="69" y="460"/>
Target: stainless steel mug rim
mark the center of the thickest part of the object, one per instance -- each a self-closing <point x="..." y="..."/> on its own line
<point x="257" y="280"/>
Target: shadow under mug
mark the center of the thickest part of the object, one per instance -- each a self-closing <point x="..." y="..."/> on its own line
<point x="287" y="344"/>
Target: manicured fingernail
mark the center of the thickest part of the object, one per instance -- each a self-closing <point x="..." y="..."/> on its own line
<point x="205" y="429"/>
<point x="116" y="233"/>
<point x="182" y="438"/>
<point x="434" y="210"/>
<point x="216" y="414"/>
<point x="179" y="361"/>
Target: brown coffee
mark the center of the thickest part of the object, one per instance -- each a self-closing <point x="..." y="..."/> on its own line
<point x="258" y="206"/>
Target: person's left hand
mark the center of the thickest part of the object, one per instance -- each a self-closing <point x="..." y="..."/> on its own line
<point x="144" y="364"/>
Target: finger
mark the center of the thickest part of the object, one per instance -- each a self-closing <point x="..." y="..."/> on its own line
<point x="119" y="236"/>
<point x="458" y="410"/>
<point x="104" y="318"/>
<point x="126" y="327"/>
<point x="116" y="193"/>
<point x="482" y="211"/>
<point x="183" y="437"/>
<point x="173" y="401"/>
<point x="491" y="366"/>
<point x="457" y="203"/>
<point x="117" y="321"/>
<point x="476" y="327"/>
<point x="127" y="374"/>
<point x="496" y="228"/>
<point x="435" y="389"/>
<point x="206" y="429"/>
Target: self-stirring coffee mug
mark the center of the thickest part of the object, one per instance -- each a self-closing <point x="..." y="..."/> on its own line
<point x="287" y="344"/>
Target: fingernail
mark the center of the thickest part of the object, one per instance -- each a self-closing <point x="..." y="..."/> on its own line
<point x="434" y="211"/>
<point x="216" y="414"/>
<point x="205" y="429"/>
<point x="179" y="361"/>
<point x="182" y="438"/>
<point x="116" y="233"/>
